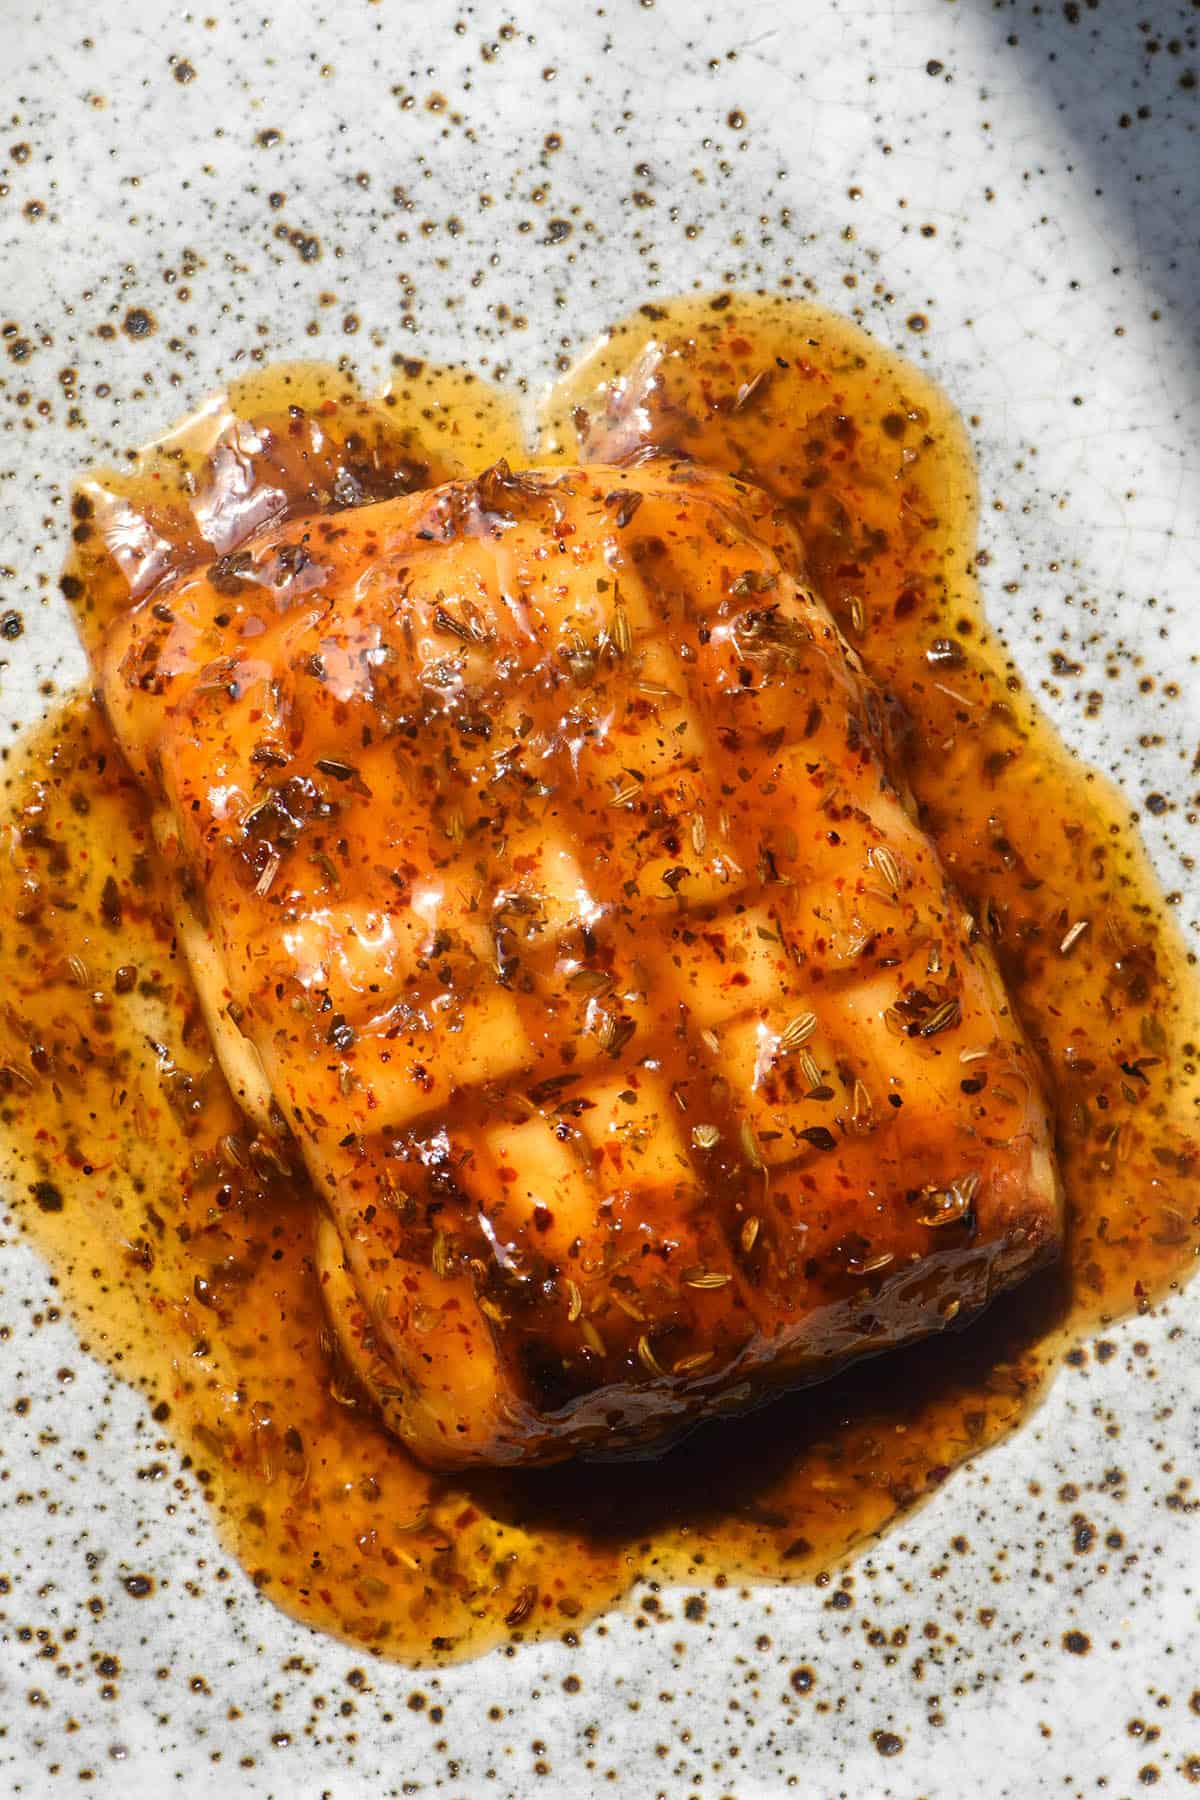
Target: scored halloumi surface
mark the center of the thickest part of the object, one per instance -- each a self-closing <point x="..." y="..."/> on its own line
<point x="542" y="874"/>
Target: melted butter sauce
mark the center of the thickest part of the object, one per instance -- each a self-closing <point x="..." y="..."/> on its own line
<point x="186" y="1255"/>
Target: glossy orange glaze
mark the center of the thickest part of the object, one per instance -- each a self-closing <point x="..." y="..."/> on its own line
<point x="544" y="883"/>
<point x="189" y="1251"/>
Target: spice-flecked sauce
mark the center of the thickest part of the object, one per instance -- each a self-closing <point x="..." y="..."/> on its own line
<point x="185" y="1250"/>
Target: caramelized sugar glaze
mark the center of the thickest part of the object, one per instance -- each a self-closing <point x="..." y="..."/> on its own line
<point x="184" y="1240"/>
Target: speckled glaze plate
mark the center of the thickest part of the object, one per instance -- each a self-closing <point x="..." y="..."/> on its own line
<point x="1006" y="193"/>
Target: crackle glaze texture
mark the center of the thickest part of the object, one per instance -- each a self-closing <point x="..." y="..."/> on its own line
<point x="999" y="194"/>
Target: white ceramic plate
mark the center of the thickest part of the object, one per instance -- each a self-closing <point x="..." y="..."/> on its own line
<point x="1052" y="150"/>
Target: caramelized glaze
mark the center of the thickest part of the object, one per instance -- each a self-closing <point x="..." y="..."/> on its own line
<point x="188" y="1251"/>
